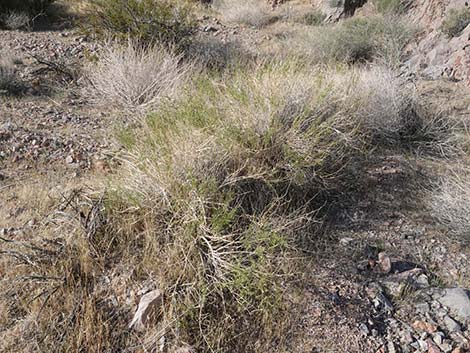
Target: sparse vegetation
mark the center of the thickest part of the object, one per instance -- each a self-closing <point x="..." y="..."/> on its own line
<point x="10" y="83"/>
<point x="238" y="173"/>
<point x="148" y="21"/>
<point x="134" y="77"/>
<point x="456" y="21"/>
<point x="392" y="6"/>
<point x="15" y="20"/>
<point x="33" y="7"/>
<point x="220" y="198"/>
<point x="354" y="40"/>
<point x="18" y="14"/>
<point x="254" y="13"/>
<point x="314" y="18"/>
<point x="449" y="202"/>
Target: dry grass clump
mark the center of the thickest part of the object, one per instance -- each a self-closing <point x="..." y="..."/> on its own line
<point x="353" y="40"/>
<point x="10" y="82"/>
<point x="393" y="6"/>
<point x="450" y="204"/>
<point x="256" y="13"/>
<point x="131" y="76"/>
<point x="456" y="21"/>
<point x="15" y="20"/>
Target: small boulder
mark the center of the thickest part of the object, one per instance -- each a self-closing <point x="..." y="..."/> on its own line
<point x="458" y="301"/>
<point x="451" y="324"/>
<point x="424" y="326"/>
<point x="148" y="306"/>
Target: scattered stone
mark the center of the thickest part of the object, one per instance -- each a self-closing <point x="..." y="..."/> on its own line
<point x="346" y="241"/>
<point x="391" y="347"/>
<point x="432" y="348"/>
<point x="422" y="308"/>
<point x="384" y="263"/>
<point x="69" y="160"/>
<point x="423" y="345"/>
<point x="446" y="346"/>
<point x="364" y="329"/>
<point x="424" y="326"/>
<point x="422" y="281"/>
<point x="458" y="301"/>
<point x="438" y="338"/>
<point x="382" y="301"/>
<point x="147" y="306"/>
<point x="451" y="324"/>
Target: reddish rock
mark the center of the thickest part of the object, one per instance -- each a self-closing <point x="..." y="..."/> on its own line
<point x="424" y="326"/>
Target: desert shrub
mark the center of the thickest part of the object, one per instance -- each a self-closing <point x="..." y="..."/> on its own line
<point x="392" y="6"/>
<point x="456" y="21"/>
<point x="148" y="21"/>
<point x="30" y="6"/>
<point x="17" y="14"/>
<point x="15" y="20"/>
<point x="10" y="82"/>
<point x="449" y="202"/>
<point x="231" y="164"/>
<point x="255" y="13"/>
<point x="220" y="195"/>
<point x="313" y="18"/>
<point x="216" y="54"/>
<point x="393" y="115"/>
<point x="131" y="76"/>
<point x="353" y="40"/>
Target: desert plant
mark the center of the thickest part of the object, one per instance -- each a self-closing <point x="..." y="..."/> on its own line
<point x="313" y="18"/>
<point x="216" y="54"/>
<point x="10" y="82"/>
<point x="148" y="21"/>
<point x="392" y="6"/>
<point x="449" y="202"/>
<point x="135" y="77"/>
<point x="255" y="13"/>
<point x="353" y="40"/>
<point x="15" y="20"/>
<point x="456" y="21"/>
<point x="30" y="6"/>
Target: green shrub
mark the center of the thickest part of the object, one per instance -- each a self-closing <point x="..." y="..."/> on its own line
<point x="456" y="21"/>
<point x="166" y="21"/>
<point x="314" y="18"/>
<point x="353" y="40"/>
<point x="392" y="6"/>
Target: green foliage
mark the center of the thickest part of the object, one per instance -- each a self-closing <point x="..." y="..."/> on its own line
<point x="456" y="21"/>
<point x="314" y="18"/>
<point x="147" y="21"/>
<point x="353" y="40"/>
<point x="392" y="6"/>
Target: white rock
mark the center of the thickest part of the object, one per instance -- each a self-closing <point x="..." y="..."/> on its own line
<point x="147" y="307"/>
<point x="458" y="301"/>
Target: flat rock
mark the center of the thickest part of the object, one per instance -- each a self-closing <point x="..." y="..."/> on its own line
<point x="458" y="301"/>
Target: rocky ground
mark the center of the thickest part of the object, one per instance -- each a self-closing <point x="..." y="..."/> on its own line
<point x="389" y="279"/>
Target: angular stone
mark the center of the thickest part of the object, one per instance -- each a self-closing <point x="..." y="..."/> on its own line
<point x="458" y="301"/>
<point x="424" y="326"/>
<point x="451" y="324"/>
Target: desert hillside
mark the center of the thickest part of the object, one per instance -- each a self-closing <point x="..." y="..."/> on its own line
<point x="235" y="176"/>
